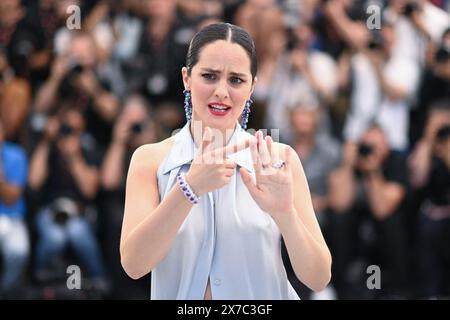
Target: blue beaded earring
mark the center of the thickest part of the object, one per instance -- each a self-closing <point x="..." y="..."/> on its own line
<point x="187" y="104"/>
<point x="245" y="113"/>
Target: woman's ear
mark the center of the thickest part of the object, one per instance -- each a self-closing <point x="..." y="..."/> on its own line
<point x="186" y="78"/>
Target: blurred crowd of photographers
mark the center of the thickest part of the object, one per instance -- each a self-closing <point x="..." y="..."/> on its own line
<point x="360" y="89"/>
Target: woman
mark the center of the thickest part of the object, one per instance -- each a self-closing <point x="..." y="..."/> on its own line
<point x="205" y="229"/>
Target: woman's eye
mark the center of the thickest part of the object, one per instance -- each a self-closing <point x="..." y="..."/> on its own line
<point x="209" y="76"/>
<point x="236" y="80"/>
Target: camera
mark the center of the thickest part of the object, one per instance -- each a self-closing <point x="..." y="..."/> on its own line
<point x="75" y="69"/>
<point x="365" y="150"/>
<point x="443" y="133"/>
<point x="65" y="130"/>
<point x="136" y="128"/>
<point x="409" y="8"/>
<point x="292" y="40"/>
<point x="67" y="87"/>
<point x="62" y="209"/>
<point x="442" y="55"/>
<point x="19" y="55"/>
<point x="376" y="41"/>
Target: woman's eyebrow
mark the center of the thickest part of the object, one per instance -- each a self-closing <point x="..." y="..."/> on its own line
<point x="236" y="74"/>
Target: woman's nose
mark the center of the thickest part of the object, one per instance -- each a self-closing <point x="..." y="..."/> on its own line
<point x="221" y="91"/>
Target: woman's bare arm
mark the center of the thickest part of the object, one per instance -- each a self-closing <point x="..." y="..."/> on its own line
<point x="149" y="227"/>
<point x="284" y="194"/>
<point x="308" y="252"/>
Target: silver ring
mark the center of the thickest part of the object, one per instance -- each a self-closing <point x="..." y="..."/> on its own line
<point x="278" y="164"/>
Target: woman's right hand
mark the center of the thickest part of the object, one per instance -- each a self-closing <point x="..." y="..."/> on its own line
<point x="211" y="169"/>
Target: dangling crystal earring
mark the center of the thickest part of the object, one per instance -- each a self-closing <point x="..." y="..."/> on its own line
<point x="187" y="104"/>
<point x="245" y="113"/>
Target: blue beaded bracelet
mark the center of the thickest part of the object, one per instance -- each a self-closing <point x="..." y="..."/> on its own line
<point x="186" y="189"/>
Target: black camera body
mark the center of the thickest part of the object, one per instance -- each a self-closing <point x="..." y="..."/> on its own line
<point x="75" y="68"/>
<point x="442" y="55"/>
<point x="410" y="8"/>
<point x="365" y="150"/>
<point x="136" y="128"/>
<point x="68" y="86"/>
<point x="376" y="41"/>
<point x="443" y="133"/>
<point x="63" y="209"/>
<point x="65" y="130"/>
<point x="292" y="40"/>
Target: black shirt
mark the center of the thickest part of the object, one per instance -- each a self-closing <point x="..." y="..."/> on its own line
<point x="394" y="171"/>
<point x="60" y="182"/>
<point x="156" y="69"/>
<point x="437" y="189"/>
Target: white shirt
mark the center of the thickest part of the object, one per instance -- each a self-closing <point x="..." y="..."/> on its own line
<point x="226" y="237"/>
<point x="369" y="104"/>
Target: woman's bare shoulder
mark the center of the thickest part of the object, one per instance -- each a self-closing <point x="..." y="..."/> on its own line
<point x="151" y="155"/>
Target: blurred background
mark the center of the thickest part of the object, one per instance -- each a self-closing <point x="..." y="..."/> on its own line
<point x="360" y="89"/>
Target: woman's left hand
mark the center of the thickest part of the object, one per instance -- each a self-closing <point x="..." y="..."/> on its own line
<point x="273" y="191"/>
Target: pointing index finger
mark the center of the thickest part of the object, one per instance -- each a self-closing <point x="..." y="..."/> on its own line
<point x="234" y="147"/>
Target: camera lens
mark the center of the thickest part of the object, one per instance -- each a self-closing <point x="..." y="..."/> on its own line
<point x="409" y="8"/>
<point x="136" y="128"/>
<point x="376" y="41"/>
<point x="65" y="130"/>
<point x="75" y="69"/>
<point x="364" y="150"/>
<point x="443" y="133"/>
<point x="62" y="209"/>
<point x="442" y="55"/>
<point x="60" y="217"/>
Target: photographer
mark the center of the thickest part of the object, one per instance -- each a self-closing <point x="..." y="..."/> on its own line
<point x="366" y="194"/>
<point x="161" y="49"/>
<point x="416" y="23"/>
<point x="292" y="64"/>
<point x="440" y="69"/>
<point x="435" y="84"/>
<point x="15" y="97"/>
<point x="429" y="166"/>
<point x="383" y="88"/>
<point x="18" y="37"/>
<point x="319" y="154"/>
<point x="133" y="128"/>
<point x="419" y="23"/>
<point x="14" y="245"/>
<point x="74" y="75"/>
<point x="64" y="168"/>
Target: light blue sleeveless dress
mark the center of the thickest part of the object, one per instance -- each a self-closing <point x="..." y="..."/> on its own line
<point x="226" y="237"/>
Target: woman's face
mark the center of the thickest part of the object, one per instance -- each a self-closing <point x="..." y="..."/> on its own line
<point x="220" y="83"/>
